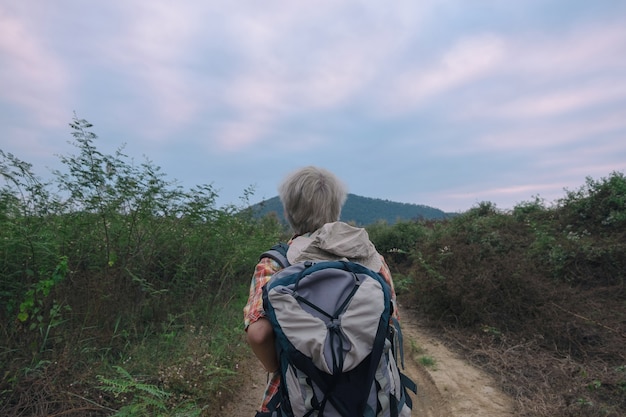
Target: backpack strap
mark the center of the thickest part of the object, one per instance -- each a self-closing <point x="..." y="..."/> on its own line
<point x="400" y="347"/>
<point x="375" y="355"/>
<point x="407" y="383"/>
<point x="278" y="253"/>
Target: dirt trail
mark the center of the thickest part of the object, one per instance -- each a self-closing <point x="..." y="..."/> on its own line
<point x="450" y="388"/>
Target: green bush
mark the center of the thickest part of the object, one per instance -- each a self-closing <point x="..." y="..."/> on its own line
<point x="398" y="240"/>
<point x="121" y="258"/>
<point x="599" y="204"/>
<point x="533" y="294"/>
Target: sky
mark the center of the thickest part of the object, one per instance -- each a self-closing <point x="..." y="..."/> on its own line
<point x="446" y="103"/>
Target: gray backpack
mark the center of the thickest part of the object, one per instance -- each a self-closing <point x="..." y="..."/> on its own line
<point x="336" y="341"/>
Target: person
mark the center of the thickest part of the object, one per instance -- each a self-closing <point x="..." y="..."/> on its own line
<point x="312" y="200"/>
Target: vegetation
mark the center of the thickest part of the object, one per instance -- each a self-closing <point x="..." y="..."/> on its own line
<point x="535" y="295"/>
<point x="122" y="294"/>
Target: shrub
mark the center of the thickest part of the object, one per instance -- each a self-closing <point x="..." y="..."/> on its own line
<point x="395" y="242"/>
<point x="122" y="259"/>
<point x="536" y="295"/>
<point x="599" y="204"/>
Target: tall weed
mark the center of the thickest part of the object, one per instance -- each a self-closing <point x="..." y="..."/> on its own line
<point x="121" y="258"/>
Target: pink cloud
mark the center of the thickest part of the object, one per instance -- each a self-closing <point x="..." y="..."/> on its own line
<point x="467" y="61"/>
<point x="541" y="136"/>
<point x="31" y="76"/>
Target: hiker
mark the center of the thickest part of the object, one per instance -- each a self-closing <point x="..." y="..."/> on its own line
<point x="312" y="199"/>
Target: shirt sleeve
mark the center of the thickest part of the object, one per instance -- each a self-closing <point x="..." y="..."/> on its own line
<point x="386" y="274"/>
<point x="253" y="309"/>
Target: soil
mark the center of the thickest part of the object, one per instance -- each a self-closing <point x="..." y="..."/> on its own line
<point x="450" y="387"/>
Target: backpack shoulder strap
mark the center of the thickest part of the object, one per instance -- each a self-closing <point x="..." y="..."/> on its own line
<point x="278" y="253"/>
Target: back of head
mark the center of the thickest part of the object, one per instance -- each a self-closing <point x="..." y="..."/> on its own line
<point x="311" y="197"/>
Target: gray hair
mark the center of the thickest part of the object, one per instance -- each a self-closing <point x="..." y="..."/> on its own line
<point x="311" y="197"/>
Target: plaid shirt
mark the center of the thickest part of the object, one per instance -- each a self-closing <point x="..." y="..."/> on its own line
<point x="254" y="310"/>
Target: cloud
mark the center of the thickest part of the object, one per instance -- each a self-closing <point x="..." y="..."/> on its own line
<point x="574" y="97"/>
<point x="235" y="136"/>
<point x="570" y="54"/>
<point x="300" y="62"/>
<point x="505" y="198"/>
<point x="431" y="92"/>
<point x="515" y="74"/>
<point x="466" y="61"/>
<point x="538" y="93"/>
<point x="557" y="74"/>
<point x="497" y="193"/>
<point x="538" y="136"/>
<point x="31" y="77"/>
<point x="151" y="48"/>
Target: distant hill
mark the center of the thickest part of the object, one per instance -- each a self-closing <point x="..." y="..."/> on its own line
<point x="364" y="210"/>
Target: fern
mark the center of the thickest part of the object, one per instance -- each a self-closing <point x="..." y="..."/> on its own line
<point x="151" y="402"/>
<point x="116" y="387"/>
<point x="152" y="390"/>
<point x="146" y="398"/>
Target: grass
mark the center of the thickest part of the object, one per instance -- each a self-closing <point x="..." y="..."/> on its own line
<point x="420" y="353"/>
<point x="427" y="361"/>
<point x="193" y="365"/>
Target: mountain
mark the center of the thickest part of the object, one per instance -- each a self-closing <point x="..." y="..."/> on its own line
<point x="364" y="210"/>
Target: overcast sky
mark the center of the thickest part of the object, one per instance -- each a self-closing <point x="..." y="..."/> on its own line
<point x="445" y="103"/>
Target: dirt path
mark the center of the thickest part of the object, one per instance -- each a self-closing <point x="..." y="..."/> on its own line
<point x="450" y="388"/>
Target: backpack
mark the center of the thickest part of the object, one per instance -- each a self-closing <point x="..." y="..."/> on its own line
<point x="336" y="341"/>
